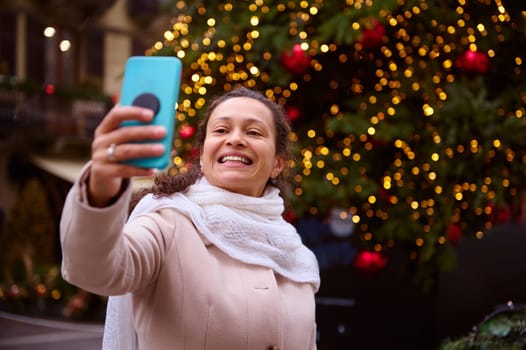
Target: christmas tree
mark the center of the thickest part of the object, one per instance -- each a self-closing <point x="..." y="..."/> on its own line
<point x="408" y="115"/>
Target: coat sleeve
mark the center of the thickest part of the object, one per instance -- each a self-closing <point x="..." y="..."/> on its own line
<point x="100" y="252"/>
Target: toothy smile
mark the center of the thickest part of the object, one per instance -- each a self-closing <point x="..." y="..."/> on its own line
<point x="231" y="158"/>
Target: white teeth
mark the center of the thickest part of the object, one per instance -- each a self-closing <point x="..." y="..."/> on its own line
<point x="235" y="159"/>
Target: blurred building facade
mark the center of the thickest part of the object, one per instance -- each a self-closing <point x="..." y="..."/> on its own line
<point x="61" y="64"/>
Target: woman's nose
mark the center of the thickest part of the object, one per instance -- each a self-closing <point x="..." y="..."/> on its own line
<point x="236" y="138"/>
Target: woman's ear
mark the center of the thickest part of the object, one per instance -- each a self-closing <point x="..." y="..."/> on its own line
<point x="279" y="165"/>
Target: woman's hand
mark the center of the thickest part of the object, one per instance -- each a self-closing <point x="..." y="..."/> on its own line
<point x="113" y="144"/>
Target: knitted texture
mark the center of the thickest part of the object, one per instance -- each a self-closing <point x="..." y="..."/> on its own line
<point x="249" y="229"/>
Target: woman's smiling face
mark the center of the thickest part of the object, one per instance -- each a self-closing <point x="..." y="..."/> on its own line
<point x="239" y="150"/>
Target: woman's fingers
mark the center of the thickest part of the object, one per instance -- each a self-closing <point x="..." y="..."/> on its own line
<point x="130" y="134"/>
<point x="117" y="153"/>
<point x="116" y="170"/>
<point x="106" y="179"/>
<point x="113" y="144"/>
<point x="119" y="114"/>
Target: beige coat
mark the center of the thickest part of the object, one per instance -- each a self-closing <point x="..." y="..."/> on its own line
<point x="187" y="294"/>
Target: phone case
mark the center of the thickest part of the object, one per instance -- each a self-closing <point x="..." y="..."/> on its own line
<point x="153" y="82"/>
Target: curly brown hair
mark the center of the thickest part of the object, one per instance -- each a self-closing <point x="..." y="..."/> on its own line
<point x="166" y="184"/>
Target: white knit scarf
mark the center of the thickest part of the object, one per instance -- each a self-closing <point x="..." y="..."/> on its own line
<point x="248" y="229"/>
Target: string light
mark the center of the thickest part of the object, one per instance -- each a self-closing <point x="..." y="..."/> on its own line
<point x="413" y="68"/>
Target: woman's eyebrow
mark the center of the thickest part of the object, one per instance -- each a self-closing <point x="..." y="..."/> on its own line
<point x="249" y="120"/>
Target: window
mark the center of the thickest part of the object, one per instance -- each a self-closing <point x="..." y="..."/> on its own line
<point x="7" y="43"/>
<point x="95" y="57"/>
<point x="36" y="57"/>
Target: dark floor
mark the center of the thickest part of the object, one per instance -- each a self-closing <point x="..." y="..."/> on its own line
<point x="27" y="333"/>
<point x="356" y="311"/>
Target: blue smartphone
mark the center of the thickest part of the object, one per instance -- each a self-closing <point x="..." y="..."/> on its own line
<point x="153" y="82"/>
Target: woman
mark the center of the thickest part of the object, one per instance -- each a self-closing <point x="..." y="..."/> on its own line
<point x="206" y="257"/>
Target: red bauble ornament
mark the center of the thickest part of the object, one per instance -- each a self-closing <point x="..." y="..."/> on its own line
<point x="49" y="89"/>
<point x="454" y="233"/>
<point x="296" y="61"/>
<point x="290" y="216"/>
<point x="386" y="195"/>
<point x="186" y="131"/>
<point x="499" y="214"/>
<point x="376" y="142"/>
<point x="473" y="62"/>
<point x="194" y="153"/>
<point x="293" y="113"/>
<point x="372" y="35"/>
<point x="368" y="261"/>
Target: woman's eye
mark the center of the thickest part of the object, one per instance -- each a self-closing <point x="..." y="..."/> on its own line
<point x="254" y="132"/>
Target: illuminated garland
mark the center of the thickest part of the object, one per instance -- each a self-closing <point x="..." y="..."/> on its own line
<point x="407" y="113"/>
